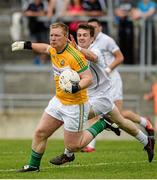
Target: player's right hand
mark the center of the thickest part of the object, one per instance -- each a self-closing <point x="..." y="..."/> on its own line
<point x="17" y="46"/>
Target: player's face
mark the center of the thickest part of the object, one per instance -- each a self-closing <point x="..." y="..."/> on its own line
<point x="83" y="38"/>
<point x="58" y="39"/>
<point x="96" y="26"/>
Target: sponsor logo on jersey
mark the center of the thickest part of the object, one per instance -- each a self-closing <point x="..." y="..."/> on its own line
<point x="62" y="62"/>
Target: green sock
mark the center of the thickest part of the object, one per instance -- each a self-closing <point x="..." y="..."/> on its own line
<point x="35" y="159"/>
<point x="97" y="128"/>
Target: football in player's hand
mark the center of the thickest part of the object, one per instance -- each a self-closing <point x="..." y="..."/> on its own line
<point x="67" y="79"/>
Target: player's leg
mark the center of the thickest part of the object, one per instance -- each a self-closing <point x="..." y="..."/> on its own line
<point x="77" y="141"/>
<point x="91" y="146"/>
<point x="109" y="126"/>
<point x="46" y="127"/>
<point x="143" y="121"/>
<point x="131" y="129"/>
<point x="49" y="123"/>
<point x="92" y="118"/>
<point x="96" y="103"/>
<point x="119" y="104"/>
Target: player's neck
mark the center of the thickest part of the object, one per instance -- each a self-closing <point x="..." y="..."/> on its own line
<point x="61" y="49"/>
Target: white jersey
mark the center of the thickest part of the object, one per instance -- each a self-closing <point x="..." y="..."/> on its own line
<point x="107" y="47"/>
<point x="100" y="91"/>
<point x="101" y="81"/>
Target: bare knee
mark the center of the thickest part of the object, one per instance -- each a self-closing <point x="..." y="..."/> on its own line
<point x="126" y="113"/>
<point x="40" y="134"/>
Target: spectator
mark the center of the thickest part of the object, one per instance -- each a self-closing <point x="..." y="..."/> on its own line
<point x="95" y="8"/>
<point x="146" y="9"/>
<point x="54" y="8"/>
<point x="126" y="29"/>
<point x="72" y="8"/>
<point x="38" y="29"/>
<point x="15" y="29"/>
<point x="17" y="21"/>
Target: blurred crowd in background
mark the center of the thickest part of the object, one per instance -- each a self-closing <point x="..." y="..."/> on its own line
<point x="35" y="17"/>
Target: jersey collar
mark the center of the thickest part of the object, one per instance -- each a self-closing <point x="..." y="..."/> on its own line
<point x="63" y="49"/>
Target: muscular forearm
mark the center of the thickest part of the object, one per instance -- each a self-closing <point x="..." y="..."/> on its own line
<point x="86" y="79"/>
<point x="85" y="83"/>
<point x="40" y="47"/>
<point x="117" y="61"/>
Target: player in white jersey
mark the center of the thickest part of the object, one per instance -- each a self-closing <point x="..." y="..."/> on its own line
<point x="99" y="94"/>
<point x="112" y="58"/>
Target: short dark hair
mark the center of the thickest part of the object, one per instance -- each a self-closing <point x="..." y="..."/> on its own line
<point x="94" y="20"/>
<point x="87" y="27"/>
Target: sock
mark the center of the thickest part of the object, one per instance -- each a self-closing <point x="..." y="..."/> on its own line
<point x="35" y="159"/>
<point x="92" y="143"/>
<point x="143" y="121"/>
<point x="97" y="127"/>
<point x="68" y="153"/>
<point x="142" y="138"/>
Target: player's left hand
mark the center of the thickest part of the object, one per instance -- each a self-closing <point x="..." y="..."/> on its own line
<point x="69" y="87"/>
<point x="75" y="88"/>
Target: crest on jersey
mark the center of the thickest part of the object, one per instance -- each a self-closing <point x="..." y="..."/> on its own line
<point x="62" y="62"/>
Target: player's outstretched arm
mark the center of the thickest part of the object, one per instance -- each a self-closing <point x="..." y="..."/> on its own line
<point x="37" y="47"/>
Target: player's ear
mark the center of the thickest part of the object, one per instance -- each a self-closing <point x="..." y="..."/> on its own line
<point x="100" y="28"/>
<point x="91" y="39"/>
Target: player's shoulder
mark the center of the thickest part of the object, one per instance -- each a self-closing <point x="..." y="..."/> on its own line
<point x="94" y="48"/>
<point x="74" y="52"/>
<point x="51" y="50"/>
<point x="71" y="49"/>
<point x="107" y="37"/>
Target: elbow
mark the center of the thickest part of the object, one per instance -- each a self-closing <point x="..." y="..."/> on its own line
<point x="121" y="59"/>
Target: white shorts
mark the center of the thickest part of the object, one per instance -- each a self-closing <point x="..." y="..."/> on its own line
<point x="101" y="103"/>
<point x="117" y="87"/>
<point x="73" y="116"/>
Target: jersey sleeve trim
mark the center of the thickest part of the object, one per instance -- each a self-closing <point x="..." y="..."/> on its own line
<point x="115" y="49"/>
<point x="83" y="69"/>
<point x="48" y="49"/>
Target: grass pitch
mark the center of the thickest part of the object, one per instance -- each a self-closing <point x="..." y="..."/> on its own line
<point x="112" y="160"/>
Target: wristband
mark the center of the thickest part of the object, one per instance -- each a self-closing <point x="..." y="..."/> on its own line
<point x="108" y="70"/>
<point x="75" y="88"/>
<point x="27" y="45"/>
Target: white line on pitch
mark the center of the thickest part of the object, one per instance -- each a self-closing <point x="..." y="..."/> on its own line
<point x="82" y="165"/>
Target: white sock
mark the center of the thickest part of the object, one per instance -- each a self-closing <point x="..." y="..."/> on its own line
<point x="68" y="153"/>
<point x="142" y="138"/>
<point x="143" y="121"/>
<point x="92" y="143"/>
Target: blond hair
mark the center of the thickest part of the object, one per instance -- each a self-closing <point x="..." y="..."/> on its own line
<point x="61" y="25"/>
